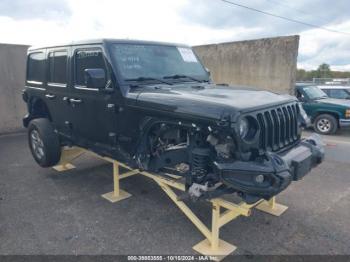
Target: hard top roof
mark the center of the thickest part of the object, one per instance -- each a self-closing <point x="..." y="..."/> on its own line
<point x="107" y="40"/>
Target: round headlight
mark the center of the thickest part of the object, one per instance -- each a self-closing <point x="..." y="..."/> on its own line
<point x="243" y="127"/>
<point x="248" y="127"/>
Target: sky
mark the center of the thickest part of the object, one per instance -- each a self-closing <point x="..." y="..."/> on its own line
<point x="193" y="22"/>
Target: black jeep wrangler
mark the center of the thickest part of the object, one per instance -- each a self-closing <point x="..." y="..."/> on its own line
<point x="153" y="106"/>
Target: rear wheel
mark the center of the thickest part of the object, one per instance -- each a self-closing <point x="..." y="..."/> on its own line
<point x="325" y="124"/>
<point x="44" y="142"/>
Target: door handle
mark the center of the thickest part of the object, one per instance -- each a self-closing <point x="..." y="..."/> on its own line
<point x="50" y="96"/>
<point x="75" y="101"/>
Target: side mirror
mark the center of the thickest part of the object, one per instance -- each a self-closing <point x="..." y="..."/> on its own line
<point x="95" y="78"/>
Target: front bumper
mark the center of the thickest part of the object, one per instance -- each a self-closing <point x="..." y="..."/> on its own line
<point x="278" y="170"/>
<point x="344" y="122"/>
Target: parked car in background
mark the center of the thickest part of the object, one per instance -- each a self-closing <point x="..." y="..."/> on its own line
<point x="339" y="92"/>
<point x="326" y="114"/>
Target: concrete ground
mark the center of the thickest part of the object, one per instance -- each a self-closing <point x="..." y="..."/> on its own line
<point x="46" y="212"/>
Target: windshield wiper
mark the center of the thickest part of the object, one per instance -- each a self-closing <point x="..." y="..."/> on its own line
<point x="177" y="76"/>
<point x="144" y="78"/>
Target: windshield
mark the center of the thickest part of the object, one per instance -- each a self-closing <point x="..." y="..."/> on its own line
<point x="151" y="62"/>
<point x="313" y="92"/>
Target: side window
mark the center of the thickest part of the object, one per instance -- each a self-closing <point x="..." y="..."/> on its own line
<point x="36" y="68"/>
<point x="85" y="59"/>
<point x="58" y="67"/>
<point x="338" y="93"/>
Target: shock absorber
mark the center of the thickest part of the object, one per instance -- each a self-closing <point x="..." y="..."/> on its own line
<point x="200" y="161"/>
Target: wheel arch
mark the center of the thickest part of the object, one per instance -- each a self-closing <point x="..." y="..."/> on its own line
<point x="148" y="123"/>
<point x="147" y="126"/>
<point x="38" y="109"/>
<point x="325" y="112"/>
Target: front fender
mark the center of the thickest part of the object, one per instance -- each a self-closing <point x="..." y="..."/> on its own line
<point x="330" y="112"/>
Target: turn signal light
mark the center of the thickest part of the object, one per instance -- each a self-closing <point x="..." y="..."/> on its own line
<point x="347" y="113"/>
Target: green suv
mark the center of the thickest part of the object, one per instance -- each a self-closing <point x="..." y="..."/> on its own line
<point x="327" y="114"/>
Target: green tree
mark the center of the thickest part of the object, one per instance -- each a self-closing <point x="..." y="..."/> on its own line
<point x="324" y="70"/>
<point x="301" y="75"/>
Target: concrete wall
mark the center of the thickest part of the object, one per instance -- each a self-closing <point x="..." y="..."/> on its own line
<point x="265" y="63"/>
<point x="12" y="81"/>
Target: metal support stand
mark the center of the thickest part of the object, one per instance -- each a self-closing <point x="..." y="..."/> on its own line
<point x="117" y="194"/>
<point x="68" y="155"/>
<point x="212" y="245"/>
<point x="272" y="207"/>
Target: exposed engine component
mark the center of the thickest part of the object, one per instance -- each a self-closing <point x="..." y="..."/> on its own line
<point x="182" y="168"/>
<point x="211" y="139"/>
<point x="224" y="147"/>
<point x="205" y="192"/>
<point x="196" y="190"/>
<point x="188" y="151"/>
<point x="224" y="150"/>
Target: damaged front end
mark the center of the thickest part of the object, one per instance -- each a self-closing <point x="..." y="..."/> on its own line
<point x="271" y="173"/>
<point x="257" y="158"/>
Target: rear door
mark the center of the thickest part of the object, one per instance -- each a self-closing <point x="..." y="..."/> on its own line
<point x="57" y="88"/>
<point x="92" y="113"/>
<point x="36" y="75"/>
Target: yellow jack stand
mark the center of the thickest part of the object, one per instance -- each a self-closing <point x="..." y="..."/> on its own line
<point x="211" y="246"/>
<point x="272" y="207"/>
<point x="117" y="194"/>
<point x="68" y="155"/>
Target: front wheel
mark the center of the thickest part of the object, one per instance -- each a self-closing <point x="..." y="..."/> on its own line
<point x="325" y="124"/>
<point x="44" y="142"/>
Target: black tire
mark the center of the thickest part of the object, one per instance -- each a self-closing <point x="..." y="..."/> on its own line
<point x="44" y="142"/>
<point x="325" y="124"/>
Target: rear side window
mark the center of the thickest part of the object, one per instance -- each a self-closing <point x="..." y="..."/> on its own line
<point x="58" y="67"/>
<point x="36" y="68"/>
<point x="339" y="93"/>
<point x="85" y="59"/>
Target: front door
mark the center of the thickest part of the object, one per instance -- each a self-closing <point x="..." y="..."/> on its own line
<point x="93" y="116"/>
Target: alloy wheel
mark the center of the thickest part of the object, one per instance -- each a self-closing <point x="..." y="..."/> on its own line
<point x="37" y="144"/>
<point x="324" y="125"/>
